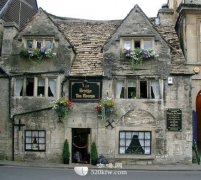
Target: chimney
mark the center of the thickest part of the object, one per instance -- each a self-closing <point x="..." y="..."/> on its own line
<point x="10" y="31"/>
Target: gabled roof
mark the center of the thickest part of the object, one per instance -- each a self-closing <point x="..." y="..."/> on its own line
<point x="88" y="38"/>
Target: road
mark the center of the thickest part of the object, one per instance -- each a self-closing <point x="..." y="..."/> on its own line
<point x="36" y="173"/>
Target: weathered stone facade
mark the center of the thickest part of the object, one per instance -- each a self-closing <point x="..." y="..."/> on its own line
<point x="91" y="52"/>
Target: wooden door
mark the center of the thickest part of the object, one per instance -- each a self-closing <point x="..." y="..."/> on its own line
<point x="198" y="110"/>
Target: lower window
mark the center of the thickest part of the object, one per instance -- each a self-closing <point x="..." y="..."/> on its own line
<point x="35" y="140"/>
<point x="135" y="142"/>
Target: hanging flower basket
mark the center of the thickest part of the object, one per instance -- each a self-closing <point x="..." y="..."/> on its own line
<point x="63" y="107"/>
<point x="105" y="107"/>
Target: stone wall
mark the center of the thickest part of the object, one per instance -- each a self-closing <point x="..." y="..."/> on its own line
<point x="5" y="122"/>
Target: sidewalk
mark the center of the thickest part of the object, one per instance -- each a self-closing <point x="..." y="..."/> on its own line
<point x="178" y="167"/>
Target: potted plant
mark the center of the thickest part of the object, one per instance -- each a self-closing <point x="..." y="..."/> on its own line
<point x="94" y="154"/>
<point x="66" y="152"/>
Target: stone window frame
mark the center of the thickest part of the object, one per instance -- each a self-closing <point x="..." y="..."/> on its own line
<point x="34" y="41"/>
<point x="134" y="39"/>
<point x="145" y="143"/>
<point x="35" y="140"/>
<point x="137" y="81"/>
<point x="35" y="86"/>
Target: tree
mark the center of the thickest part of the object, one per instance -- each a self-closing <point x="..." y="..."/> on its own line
<point x="66" y="152"/>
<point x="94" y="154"/>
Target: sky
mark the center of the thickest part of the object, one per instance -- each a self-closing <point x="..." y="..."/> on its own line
<point x="99" y="9"/>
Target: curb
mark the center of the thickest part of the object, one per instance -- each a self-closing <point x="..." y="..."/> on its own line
<point x="192" y="167"/>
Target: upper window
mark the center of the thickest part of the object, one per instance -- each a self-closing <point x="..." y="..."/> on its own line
<point x="132" y="43"/>
<point x="35" y="86"/>
<point x="138" y="88"/>
<point x="41" y="44"/>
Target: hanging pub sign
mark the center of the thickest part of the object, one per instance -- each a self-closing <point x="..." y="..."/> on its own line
<point x="174" y="119"/>
<point x="85" y="90"/>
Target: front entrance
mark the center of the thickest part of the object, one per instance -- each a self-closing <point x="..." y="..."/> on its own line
<point x="80" y="145"/>
<point x="198" y="111"/>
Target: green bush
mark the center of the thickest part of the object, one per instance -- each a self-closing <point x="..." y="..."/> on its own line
<point x="66" y="152"/>
<point x="94" y="153"/>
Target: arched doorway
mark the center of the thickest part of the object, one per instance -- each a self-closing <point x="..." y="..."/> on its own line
<point x="198" y="111"/>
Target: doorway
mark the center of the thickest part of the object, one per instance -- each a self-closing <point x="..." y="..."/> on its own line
<point x="80" y="145"/>
<point x="198" y="111"/>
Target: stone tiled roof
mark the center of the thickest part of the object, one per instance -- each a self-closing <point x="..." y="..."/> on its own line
<point x="88" y="38"/>
<point x="177" y="57"/>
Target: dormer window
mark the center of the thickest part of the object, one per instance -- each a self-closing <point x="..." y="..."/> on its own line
<point x="130" y="43"/>
<point x="40" y="44"/>
<point x="37" y="48"/>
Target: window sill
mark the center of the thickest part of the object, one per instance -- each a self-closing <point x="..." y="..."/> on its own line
<point x="135" y="156"/>
<point x="33" y="97"/>
<point x="138" y="99"/>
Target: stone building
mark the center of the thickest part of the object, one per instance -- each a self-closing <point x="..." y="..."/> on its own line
<point x="185" y="15"/>
<point x="135" y="66"/>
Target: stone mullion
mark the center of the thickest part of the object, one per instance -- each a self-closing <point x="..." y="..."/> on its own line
<point x="35" y="86"/>
<point x="46" y="86"/>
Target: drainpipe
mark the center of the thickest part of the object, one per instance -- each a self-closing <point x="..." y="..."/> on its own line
<point x="11" y="119"/>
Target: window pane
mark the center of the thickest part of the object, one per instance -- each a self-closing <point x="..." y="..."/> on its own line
<point x="41" y="140"/>
<point x="41" y="87"/>
<point x="137" y="44"/>
<point x="52" y="87"/>
<point x="141" y="135"/>
<point x="122" y="150"/>
<point x="147" y="44"/>
<point x="122" y="143"/>
<point x="29" y="45"/>
<point x="128" y="135"/>
<point x="30" y="86"/>
<point x="19" y="87"/>
<point x="41" y="133"/>
<point x="38" y="44"/>
<point x="127" y="45"/>
<point x="147" y="143"/>
<point x="122" y="135"/>
<point x="28" y="140"/>
<point x="128" y="142"/>
<point x="147" y="150"/>
<point x="120" y="89"/>
<point x="48" y="44"/>
<point x="131" y="89"/>
<point x="42" y="147"/>
<point x="155" y="89"/>
<point x="28" y="146"/>
<point x="147" y="135"/>
<point x="28" y="133"/>
<point x="143" y="89"/>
